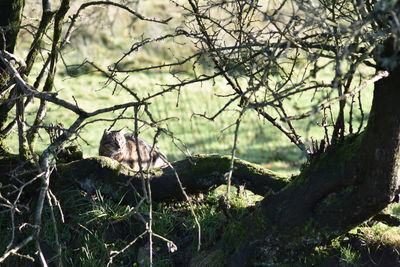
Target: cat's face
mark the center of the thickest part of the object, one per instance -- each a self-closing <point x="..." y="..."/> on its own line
<point x="112" y="143"/>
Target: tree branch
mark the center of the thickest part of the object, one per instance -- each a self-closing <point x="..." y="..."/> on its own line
<point x="198" y="174"/>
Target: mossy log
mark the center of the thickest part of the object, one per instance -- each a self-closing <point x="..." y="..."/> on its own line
<point x="199" y="173"/>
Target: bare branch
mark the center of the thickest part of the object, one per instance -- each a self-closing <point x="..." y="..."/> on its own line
<point x="16" y="248"/>
<point x="317" y="109"/>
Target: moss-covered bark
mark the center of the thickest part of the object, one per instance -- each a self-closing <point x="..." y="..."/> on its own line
<point x="197" y="174"/>
<point x="55" y="49"/>
<point x="10" y="20"/>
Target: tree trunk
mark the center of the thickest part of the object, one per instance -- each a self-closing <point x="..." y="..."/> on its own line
<point x="349" y="184"/>
<point x="10" y="20"/>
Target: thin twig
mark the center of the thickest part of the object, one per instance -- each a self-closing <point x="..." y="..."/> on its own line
<point x="315" y="110"/>
<point x="233" y="152"/>
<point x="116" y="253"/>
<point x="16" y="248"/>
<point x="187" y="198"/>
<point x="54" y="222"/>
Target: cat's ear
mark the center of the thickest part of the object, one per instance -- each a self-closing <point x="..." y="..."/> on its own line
<point x="106" y="132"/>
<point x="122" y="131"/>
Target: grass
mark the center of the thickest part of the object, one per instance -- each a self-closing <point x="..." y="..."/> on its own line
<point x="95" y="227"/>
<point x="349" y="257"/>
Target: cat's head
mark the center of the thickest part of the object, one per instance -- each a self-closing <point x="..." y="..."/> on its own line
<point x="112" y="143"/>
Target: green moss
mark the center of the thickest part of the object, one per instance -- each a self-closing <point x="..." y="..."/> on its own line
<point x="235" y="234"/>
<point x="220" y="164"/>
<point x="70" y="153"/>
<point x="335" y="156"/>
<point x="25" y="153"/>
<point x="4" y="148"/>
<point x="204" y="162"/>
<point x="106" y="162"/>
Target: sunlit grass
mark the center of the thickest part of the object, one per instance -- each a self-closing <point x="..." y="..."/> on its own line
<point x="382" y="234"/>
<point x="349" y="257"/>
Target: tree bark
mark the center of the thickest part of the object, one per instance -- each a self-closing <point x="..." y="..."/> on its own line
<point x="10" y="20"/>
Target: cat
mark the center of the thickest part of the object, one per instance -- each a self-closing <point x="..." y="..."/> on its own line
<point x="122" y="147"/>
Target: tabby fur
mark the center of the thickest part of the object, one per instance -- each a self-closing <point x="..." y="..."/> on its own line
<point x="122" y="147"/>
